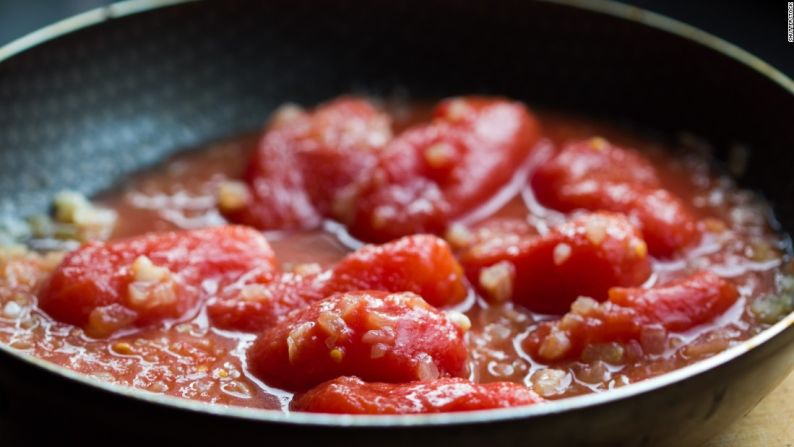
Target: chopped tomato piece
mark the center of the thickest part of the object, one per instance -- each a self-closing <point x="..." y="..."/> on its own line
<point x="351" y="395"/>
<point x="421" y="264"/>
<point x="104" y="287"/>
<point x="593" y="159"/>
<point x="595" y="175"/>
<point x="261" y="299"/>
<point x="435" y="172"/>
<point x="679" y="305"/>
<point x="374" y="335"/>
<point x="308" y="161"/>
<point x="585" y="256"/>
<point x="632" y="312"/>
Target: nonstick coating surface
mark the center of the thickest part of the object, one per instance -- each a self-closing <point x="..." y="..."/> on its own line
<point x="87" y="108"/>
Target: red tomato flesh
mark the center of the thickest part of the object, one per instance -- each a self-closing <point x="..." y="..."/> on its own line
<point x="106" y="286"/>
<point x="306" y="159"/>
<point x="585" y="256"/>
<point x="373" y="335"/>
<point x="676" y="306"/>
<point x="422" y="264"/>
<point x="351" y="395"/>
<point x="434" y="172"/>
<point x="595" y="175"/>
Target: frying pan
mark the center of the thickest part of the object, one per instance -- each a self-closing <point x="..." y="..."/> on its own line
<point x="91" y="99"/>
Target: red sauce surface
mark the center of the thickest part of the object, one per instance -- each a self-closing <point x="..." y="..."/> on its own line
<point x="192" y="358"/>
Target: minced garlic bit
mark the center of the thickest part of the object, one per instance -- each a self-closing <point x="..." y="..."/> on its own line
<point x="151" y="285"/>
<point x="714" y="225"/>
<point x="704" y="348"/>
<point x="458" y="236"/>
<point x="296" y="338"/>
<point x="549" y="382"/>
<point x="336" y="355"/>
<point x="426" y="368"/>
<point x="333" y="325"/>
<point x="378" y="350"/>
<point x="439" y="155"/>
<point x="232" y="195"/>
<point x="90" y="222"/>
<point x="381" y="216"/>
<point x="103" y="321"/>
<point x="554" y="346"/>
<point x="383" y="335"/>
<point x="561" y="253"/>
<point x="570" y="321"/>
<point x="459" y="319"/>
<point x="122" y="348"/>
<point x="307" y="268"/>
<point x="255" y="293"/>
<point x="598" y="143"/>
<point x="611" y="353"/>
<point x="769" y="309"/>
<point x="596" y="230"/>
<point x="458" y="110"/>
<point x="639" y="247"/>
<point x="147" y="295"/>
<point x="12" y="309"/>
<point x="497" y="281"/>
<point x="143" y="269"/>
<point x="584" y="305"/>
<point x="286" y="113"/>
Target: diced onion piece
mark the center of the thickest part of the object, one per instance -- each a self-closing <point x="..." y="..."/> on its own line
<point x="439" y="155"/>
<point x="285" y="113"/>
<point x="550" y="382"/>
<point x="459" y="236"/>
<point x="596" y="230"/>
<point x="426" y="369"/>
<point x="232" y="195"/>
<point x="333" y="325"/>
<point x="143" y="269"/>
<point x="562" y="252"/>
<point x="255" y="293"/>
<point x="555" y="345"/>
<point x="296" y="338"/>
<point x="497" y="281"/>
<point x="337" y="355"/>
<point x="459" y="319"/>
<point x="12" y="309"/>
<point x="584" y="305"/>
<point x="103" y="321"/>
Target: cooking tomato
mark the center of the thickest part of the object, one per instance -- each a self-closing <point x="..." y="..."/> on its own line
<point x="437" y="171"/>
<point x="107" y="286"/>
<point x="307" y="161"/>
<point x="585" y="256"/>
<point x="351" y="395"/>
<point x="631" y="314"/>
<point x="595" y="175"/>
<point x="373" y="335"/>
<point x="421" y="264"/>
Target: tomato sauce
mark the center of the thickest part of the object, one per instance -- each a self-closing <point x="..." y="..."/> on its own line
<point x="191" y="357"/>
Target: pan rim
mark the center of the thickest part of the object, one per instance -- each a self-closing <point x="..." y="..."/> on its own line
<point x="607" y="7"/>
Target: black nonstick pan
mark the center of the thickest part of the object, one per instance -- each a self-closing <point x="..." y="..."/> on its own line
<point x="87" y="101"/>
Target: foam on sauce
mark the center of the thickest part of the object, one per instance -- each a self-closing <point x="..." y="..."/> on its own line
<point x="193" y="360"/>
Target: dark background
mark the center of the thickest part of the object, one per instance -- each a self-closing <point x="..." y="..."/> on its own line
<point x="756" y="26"/>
